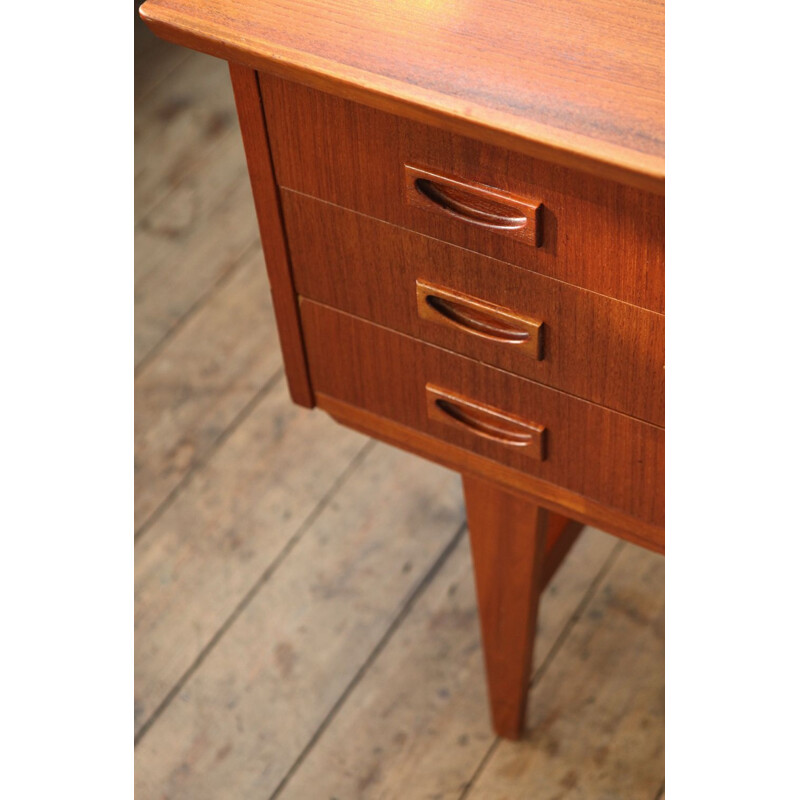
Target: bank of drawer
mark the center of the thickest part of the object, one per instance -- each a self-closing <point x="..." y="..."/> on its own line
<point x="588" y="232"/>
<point x="583" y="343"/>
<point x="587" y="449"/>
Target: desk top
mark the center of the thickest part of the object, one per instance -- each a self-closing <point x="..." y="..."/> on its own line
<point x="579" y="82"/>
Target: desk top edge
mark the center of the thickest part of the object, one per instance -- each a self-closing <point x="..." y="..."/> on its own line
<point x="184" y="22"/>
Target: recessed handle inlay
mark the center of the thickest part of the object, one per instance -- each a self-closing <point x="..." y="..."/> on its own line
<point x="477" y="209"/>
<point x="483" y="420"/>
<point x="453" y="309"/>
<point x="474" y="203"/>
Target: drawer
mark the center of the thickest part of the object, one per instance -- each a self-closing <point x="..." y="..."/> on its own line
<point x="583" y="343"/>
<point x="584" y="448"/>
<point x="582" y="230"/>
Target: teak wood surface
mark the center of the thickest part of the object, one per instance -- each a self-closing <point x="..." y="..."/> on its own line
<point x="557" y="178"/>
<point x="596" y="234"/>
<point x="507" y="538"/>
<point x="578" y="83"/>
<point x="308" y="627"/>
<point x="511" y="540"/>
<point x="591" y="346"/>
<point x="591" y="451"/>
<point x="265" y="194"/>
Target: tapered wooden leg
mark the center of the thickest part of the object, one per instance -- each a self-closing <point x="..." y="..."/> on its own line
<point x="509" y="538"/>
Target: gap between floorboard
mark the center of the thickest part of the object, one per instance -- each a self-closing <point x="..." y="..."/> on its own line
<point x="243" y="414"/>
<point x="253" y="591"/>
<point x="377" y="650"/>
<point x="226" y="277"/>
<point x="198" y="94"/>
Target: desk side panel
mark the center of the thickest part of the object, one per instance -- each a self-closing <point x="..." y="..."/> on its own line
<point x="273" y="236"/>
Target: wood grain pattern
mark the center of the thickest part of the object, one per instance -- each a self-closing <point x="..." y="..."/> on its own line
<point x="177" y="127"/>
<point x="446" y="407"/>
<point x="265" y="193"/>
<point x="596" y="348"/>
<point x="474" y="204"/>
<point x="248" y="712"/>
<point x="595" y="732"/>
<point x="592" y="451"/>
<point x="185" y="223"/>
<point x="595" y="234"/>
<point x="580" y="83"/>
<point x="236" y="514"/>
<point x="508" y="539"/>
<point x="553" y="497"/>
<point x="416" y="725"/>
<point x="410" y="723"/>
<point x="194" y="210"/>
<point x="443" y="306"/>
<point x="202" y="379"/>
<point x="562" y="533"/>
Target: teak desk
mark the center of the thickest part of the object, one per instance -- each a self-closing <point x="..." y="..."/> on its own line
<point x="461" y="208"/>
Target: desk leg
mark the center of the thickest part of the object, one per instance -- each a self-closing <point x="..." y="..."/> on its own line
<point x="509" y="538"/>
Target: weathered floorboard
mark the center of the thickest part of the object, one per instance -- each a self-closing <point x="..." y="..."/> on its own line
<point x="203" y="378"/>
<point x="201" y="231"/>
<point x="597" y="715"/>
<point x="253" y="705"/>
<point x="417" y="726"/>
<point x="238" y="511"/>
<point x="177" y="126"/>
<point x="162" y="236"/>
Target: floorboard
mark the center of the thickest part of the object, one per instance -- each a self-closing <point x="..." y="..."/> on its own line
<point x="418" y="726"/>
<point x="597" y="714"/>
<point x="191" y="243"/>
<point x="233" y="519"/>
<point x="205" y="376"/>
<point x="249" y="711"/>
<point x="177" y="125"/>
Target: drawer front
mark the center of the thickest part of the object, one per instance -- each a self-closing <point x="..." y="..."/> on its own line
<point x="594" y="452"/>
<point x="592" y="346"/>
<point x="588" y="232"/>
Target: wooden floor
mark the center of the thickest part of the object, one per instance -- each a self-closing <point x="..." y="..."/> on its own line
<point x="305" y="612"/>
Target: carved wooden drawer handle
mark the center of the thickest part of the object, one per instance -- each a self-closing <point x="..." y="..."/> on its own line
<point x="456" y="310"/>
<point x="474" y="203"/>
<point x="484" y="420"/>
<point x="478" y="209"/>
